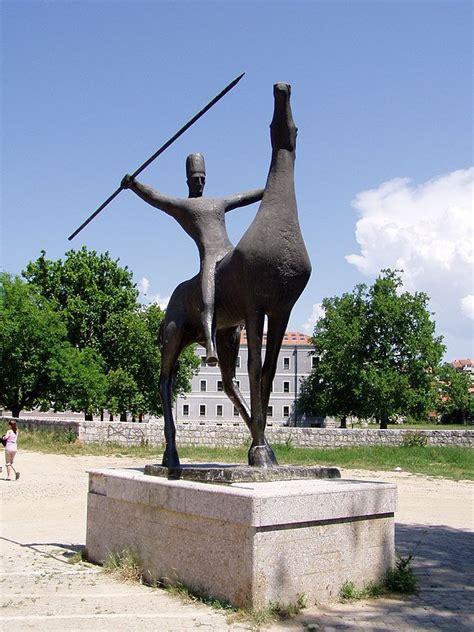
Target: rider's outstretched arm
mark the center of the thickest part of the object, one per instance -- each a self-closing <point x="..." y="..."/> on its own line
<point x="243" y="199"/>
<point x="170" y="205"/>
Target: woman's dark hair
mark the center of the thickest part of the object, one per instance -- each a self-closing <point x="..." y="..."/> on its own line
<point x="12" y="425"/>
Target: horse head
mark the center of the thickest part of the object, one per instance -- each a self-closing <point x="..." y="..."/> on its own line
<point x="282" y="128"/>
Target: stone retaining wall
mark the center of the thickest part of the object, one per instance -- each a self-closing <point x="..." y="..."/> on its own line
<point x="235" y="434"/>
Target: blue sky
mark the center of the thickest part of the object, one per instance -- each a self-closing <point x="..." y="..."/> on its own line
<point x="381" y="94"/>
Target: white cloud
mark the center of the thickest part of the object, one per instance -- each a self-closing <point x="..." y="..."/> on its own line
<point x="426" y="230"/>
<point x="467" y="306"/>
<point x="157" y="299"/>
<point x="144" y="286"/>
<point x="308" y="326"/>
<point x="162" y="301"/>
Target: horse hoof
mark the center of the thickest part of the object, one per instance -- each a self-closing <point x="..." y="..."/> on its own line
<point x="170" y="459"/>
<point x="262" y="456"/>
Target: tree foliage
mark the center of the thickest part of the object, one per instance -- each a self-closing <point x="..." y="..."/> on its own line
<point x="452" y="393"/>
<point x="116" y="359"/>
<point x="79" y="381"/>
<point x="87" y="289"/>
<point x="377" y="353"/>
<point x="32" y="341"/>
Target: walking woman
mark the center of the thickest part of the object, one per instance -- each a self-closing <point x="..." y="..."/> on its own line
<point x="9" y="440"/>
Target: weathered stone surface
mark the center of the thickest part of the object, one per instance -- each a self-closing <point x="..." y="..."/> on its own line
<point x="222" y="473"/>
<point x="231" y="435"/>
<point x="246" y="543"/>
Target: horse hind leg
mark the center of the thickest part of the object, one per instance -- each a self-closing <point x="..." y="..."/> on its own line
<point x="172" y="344"/>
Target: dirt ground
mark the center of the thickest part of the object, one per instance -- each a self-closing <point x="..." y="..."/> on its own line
<point x="43" y="518"/>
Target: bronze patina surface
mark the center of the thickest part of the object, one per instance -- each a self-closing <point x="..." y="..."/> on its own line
<point x="220" y="473"/>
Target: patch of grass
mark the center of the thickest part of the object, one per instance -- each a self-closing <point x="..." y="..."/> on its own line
<point x="400" y="579"/>
<point x="65" y="442"/>
<point x="124" y="565"/>
<point x="77" y="557"/>
<point x="348" y="591"/>
<point x="427" y="426"/>
<point x="450" y="462"/>
<point x="255" y="617"/>
<point x="178" y="589"/>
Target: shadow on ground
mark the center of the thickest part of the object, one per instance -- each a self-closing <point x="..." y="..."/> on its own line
<point x="444" y="565"/>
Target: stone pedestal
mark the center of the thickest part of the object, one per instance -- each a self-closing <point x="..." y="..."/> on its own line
<point x="245" y="543"/>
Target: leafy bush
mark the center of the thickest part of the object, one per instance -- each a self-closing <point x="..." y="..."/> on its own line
<point x="402" y="578"/>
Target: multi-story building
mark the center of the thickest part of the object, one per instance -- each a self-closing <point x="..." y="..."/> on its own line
<point x="208" y="402"/>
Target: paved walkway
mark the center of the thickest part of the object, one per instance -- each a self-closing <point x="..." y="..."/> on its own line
<point x="43" y="519"/>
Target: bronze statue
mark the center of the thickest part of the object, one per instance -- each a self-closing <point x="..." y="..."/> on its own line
<point x="262" y="276"/>
<point x="204" y="221"/>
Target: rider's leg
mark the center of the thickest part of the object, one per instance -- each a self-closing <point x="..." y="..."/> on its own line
<point x="208" y="271"/>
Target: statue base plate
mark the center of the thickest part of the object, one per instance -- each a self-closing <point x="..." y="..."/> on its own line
<point x="227" y="474"/>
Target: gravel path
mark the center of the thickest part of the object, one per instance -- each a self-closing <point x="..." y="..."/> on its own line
<point x="44" y="520"/>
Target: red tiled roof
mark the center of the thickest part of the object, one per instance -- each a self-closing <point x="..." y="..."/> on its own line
<point x="459" y="364"/>
<point x="290" y="339"/>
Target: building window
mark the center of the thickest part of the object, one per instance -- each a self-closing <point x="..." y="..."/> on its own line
<point x="270" y="411"/>
<point x="314" y="362"/>
<point x="202" y="410"/>
<point x="237" y="362"/>
<point x="236" y="412"/>
<point x="185" y="410"/>
<point x="286" y="411"/>
<point x="237" y="383"/>
<point x="219" y="410"/>
<point x="203" y="386"/>
<point x="220" y="386"/>
<point x="286" y="363"/>
<point x="286" y="387"/>
<point x="203" y="361"/>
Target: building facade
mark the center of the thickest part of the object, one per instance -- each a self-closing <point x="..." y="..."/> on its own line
<point x="208" y="402"/>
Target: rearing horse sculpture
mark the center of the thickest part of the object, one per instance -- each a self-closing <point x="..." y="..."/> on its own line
<point x="262" y="276"/>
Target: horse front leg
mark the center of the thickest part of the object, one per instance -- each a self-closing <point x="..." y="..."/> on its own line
<point x="260" y="453"/>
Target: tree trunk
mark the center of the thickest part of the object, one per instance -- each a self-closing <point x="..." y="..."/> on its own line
<point x="140" y="418"/>
<point x="102" y="414"/>
<point x="123" y="417"/>
<point x="343" y="422"/>
<point x="384" y="421"/>
<point x="16" y="411"/>
<point x="111" y="417"/>
<point x="88" y="416"/>
<point x="133" y="418"/>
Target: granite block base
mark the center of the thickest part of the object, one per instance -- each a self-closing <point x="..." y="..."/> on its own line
<point x="245" y="543"/>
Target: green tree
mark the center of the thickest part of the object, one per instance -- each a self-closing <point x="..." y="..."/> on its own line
<point x="32" y="343"/>
<point x="452" y="393"/>
<point x="123" y="394"/>
<point x="133" y="355"/>
<point x="87" y="289"/>
<point x="98" y="302"/>
<point x="79" y="381"/>
<point x="328" y="390"/>
<point x="378" y="352"/>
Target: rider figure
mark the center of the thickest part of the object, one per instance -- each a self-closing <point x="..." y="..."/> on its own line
<point x="203" y="219"/>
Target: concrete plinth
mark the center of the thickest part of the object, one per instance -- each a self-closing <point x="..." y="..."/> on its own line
<point x="245" y="543"/>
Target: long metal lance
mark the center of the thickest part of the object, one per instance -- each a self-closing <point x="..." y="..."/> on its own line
<point x="160" y="151"/>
